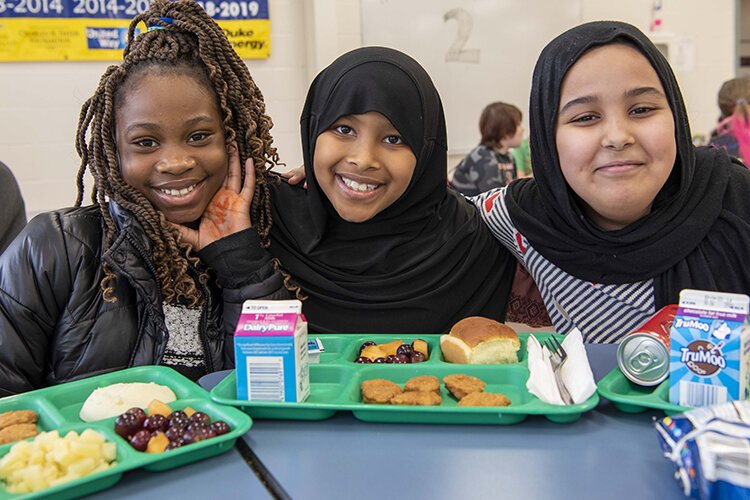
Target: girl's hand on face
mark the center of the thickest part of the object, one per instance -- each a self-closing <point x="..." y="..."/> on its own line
<point x="229" y="209"/>
<point x="295" y="176"/>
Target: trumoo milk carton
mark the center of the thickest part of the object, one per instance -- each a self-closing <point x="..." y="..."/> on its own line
<point x="709" y="359"/>
<point x="270" y="349"/>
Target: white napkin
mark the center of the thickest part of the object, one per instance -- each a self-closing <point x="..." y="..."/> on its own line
<point x="541" y="381"/>
<point x="575" y="373"/>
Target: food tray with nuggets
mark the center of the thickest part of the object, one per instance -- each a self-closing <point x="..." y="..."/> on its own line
<point x="54" y="441"/>
<point x="381" y="391"/>
<point x="630" y="397"/>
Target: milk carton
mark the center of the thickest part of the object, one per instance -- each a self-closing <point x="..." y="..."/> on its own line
<point x="270" y="349"/>
<point x="709" y="360"/>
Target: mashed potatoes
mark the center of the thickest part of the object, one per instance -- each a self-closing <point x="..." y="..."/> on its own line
<point x="115" y="399"/>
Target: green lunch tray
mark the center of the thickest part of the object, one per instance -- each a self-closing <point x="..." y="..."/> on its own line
<point x="633" y="398"/>
<point x="335" y="386"/>
<point x="58" y="407"/>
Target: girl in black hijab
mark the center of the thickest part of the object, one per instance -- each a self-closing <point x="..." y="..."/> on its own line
<point x="623" y="211"/>
<point x="418" y="265"/>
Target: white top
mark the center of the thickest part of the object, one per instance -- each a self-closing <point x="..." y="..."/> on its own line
<point x="603" y="313"/>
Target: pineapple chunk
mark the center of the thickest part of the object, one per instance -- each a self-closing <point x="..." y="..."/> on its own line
<point x="158" y="443"/>
<point x="156" y="407"/>
<point x="421" y="346"/>
<point x="390" y="348"/>
<point x="372" y="352"/>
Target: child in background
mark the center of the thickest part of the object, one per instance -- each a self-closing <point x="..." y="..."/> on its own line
<point x="733" y="131"/>
<point x="378" y="243"/>
<point x="623" y="211"/>
<point x="522" y="159"/>
<point x="490" y="164"/>
<point x="89" y="290"/>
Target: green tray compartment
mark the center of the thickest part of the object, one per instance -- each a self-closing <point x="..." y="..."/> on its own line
<point x="335" y="386"/>
<point x="629" y="397"/>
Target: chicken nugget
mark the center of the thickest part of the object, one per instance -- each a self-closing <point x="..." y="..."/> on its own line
<point x="379" y="391"/>
<point x="460" y="385"/>
<point x="484" y="399"/>
<point x="424" y="383"/>
<point x="17" y="417"/>
<point x="418" y="398"/>
<point x="17" y="432"/>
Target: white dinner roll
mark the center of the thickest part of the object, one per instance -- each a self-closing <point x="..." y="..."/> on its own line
<point x="478" y="340"/>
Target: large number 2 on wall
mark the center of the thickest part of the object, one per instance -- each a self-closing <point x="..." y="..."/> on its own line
<point x="456" y="52"/>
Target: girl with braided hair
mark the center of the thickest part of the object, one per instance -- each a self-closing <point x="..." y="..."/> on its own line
<point x="131" y="280"/>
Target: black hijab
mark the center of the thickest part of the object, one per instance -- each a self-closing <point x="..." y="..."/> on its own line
<point x="418" y="266"/>
<point x="698" y="230"/>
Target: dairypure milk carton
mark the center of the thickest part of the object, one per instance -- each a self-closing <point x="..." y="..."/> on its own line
<point x="270" y="349"/>
<point x="709" y="360"/>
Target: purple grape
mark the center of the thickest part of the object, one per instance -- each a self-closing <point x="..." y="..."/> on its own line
<point x="173" y="444"/>
<point x="220" y="427"/>
<point x="402" y="358"/>
<point x="178" y="418"/>
<point x="391" y="358"/>
<point x="175" y="432"/>
<point x="188" y="437"/>
<point x="140" y="440"/>
<point x="417" y="357"/>
<point x="155" y="423"/>
<point x="138" y="412"/>
<point x="126" y="425"/>
<point x="404" y="349"/>
<point x="194" y="426"/>
<point x="379" y="360"/>
<point x="177" y="414"/>
<point x="199" y="416"/>
<point x="363" y="359"/>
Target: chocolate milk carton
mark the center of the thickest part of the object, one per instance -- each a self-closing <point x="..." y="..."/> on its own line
<point x="270" y="352"/>
<point x="709" y="360"/>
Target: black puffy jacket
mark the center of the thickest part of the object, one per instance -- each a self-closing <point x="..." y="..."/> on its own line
<point x="55" y="325"/>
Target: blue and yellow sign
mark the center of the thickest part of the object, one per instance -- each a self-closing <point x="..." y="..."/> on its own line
<point x="96" y="30"/>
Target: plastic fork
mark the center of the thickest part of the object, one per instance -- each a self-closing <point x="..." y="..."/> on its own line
<point x="557" y="359"/>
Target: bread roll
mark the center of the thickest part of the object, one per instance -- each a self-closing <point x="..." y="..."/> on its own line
<point x="478" y="340"/>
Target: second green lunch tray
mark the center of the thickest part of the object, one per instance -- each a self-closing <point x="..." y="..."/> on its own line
<point x="335" y="386"/>
<point x="58" y="407"/>
<point x="633" y="398"/>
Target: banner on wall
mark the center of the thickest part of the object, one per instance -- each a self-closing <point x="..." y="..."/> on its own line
<point x="96" y="30"/>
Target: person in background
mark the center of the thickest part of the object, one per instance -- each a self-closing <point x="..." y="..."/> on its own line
<point x="13" y="212"/>
<point x="623" y="212"/>
<point x="490" y="164"/>
<point x="733" y="131"/>
<point x="94" y="289"/>
<point x="522" y="159"/>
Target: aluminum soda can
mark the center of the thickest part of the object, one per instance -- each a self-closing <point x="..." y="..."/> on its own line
<point x="643" y="355"/>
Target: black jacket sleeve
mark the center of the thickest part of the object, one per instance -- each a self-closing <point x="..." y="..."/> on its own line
<point x="245" y="271"/>
<point x="35" y="283"/>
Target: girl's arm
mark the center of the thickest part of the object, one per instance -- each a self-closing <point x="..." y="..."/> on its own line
<point x="35" y="283"/>
<point x="494" y="214"/>
<point x="245" y="271"/>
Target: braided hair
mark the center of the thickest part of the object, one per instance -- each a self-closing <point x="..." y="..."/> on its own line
<point x="183" y="39"/>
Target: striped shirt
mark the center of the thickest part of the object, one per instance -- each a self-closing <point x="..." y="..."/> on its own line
<point x="603" y="313"/>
